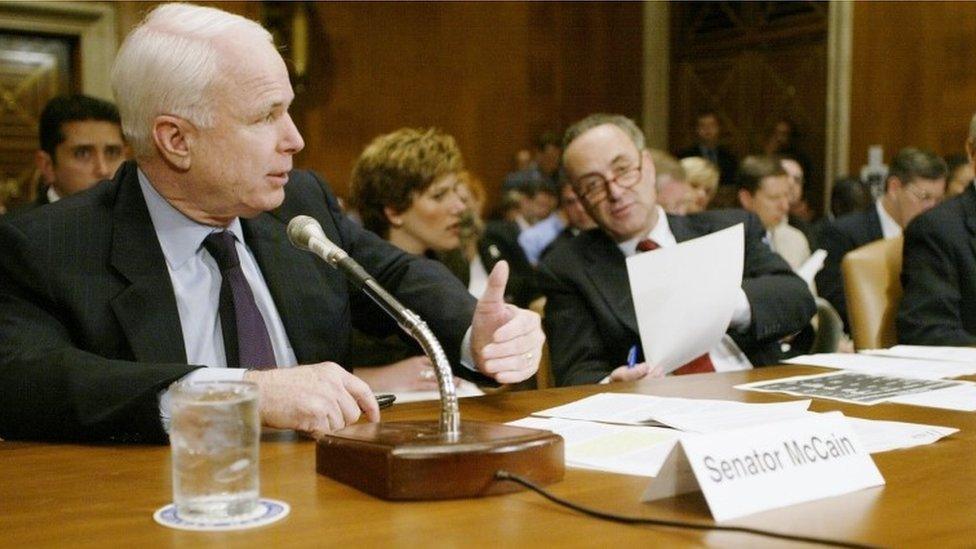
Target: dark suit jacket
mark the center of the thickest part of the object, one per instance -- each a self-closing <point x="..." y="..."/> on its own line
<point x="939" y="275"/>
<point x="839" y="237"/>
<point x="89" y="328"/>
<point x="499" y="242"/>
<point x="590" y="319"/>
<point x="727" y="162"/>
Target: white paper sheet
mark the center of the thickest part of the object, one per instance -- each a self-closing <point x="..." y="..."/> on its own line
<point x="951" y="354"/>
<point x="881" y="436"/>
<point x="961" y="397"/>
<point x="684" y="295"/>
<point x="812" y="266"/>
<point x="686" y="414"/>
<point x="851" y="387"/>
<point x="887" y="366"/>
<point x="464" y="388"/>
<point x="625" y="449"/>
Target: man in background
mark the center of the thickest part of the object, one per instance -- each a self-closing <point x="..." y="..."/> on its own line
<point x="708" y="131"/>
<point x="916" y="182"/>
<point x="764" y="189"/>
<point x="939" y="270"/>
<point x="590" y="315"/>
<point x="81" y="144"/>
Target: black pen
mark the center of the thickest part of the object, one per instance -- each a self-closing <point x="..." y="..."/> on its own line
<point x="385" y="400"/>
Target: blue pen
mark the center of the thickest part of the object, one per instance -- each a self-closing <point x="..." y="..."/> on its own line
<point x="632" y="357"/>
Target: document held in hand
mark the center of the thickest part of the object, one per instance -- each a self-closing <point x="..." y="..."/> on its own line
<point x="684" y="295"/>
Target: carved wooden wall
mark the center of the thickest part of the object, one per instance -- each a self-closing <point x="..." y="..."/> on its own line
<point x="753" y="63"/>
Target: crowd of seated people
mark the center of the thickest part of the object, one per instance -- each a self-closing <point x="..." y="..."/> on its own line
<point x="412" y="189"/>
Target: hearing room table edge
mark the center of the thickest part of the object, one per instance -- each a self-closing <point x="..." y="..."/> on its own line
<point x="104" y="495"/>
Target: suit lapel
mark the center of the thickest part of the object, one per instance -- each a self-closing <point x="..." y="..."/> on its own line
<point x="874" y="225"/>
<point x="298" y="285"/>
<point x="146" y="309"/>
<point x="606" y="267"/>
<point x="968" y="199"/>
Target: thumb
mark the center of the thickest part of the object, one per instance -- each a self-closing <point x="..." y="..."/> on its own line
<point x="497" y="280"/>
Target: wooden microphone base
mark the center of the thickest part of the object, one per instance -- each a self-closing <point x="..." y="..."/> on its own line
<point x="412" y="460"/>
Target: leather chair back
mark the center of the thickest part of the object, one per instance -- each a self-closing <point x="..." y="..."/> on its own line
<point x="543" y="378"/>
<point x="873" y="290"/>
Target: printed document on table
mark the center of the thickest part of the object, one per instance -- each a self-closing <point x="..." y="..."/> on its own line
<point x="625" y="449"/>
<point x="684" y="295"/>
<point x="928" y="352"/>
<point x="463" y="389"/>
<point x="961" y="397"/>
<point x="881" y="436"/>
<point x="685" y="414"/>
<point x="852" y="387"/>
<point x="887" y="366"/>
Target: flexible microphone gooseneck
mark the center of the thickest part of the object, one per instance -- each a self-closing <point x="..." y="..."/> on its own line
<point x="305" y="233"/>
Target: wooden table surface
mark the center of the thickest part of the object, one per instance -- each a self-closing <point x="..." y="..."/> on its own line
<point x="78" y="495"/>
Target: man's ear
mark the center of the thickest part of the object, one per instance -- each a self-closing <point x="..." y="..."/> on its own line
<point x="392" y="216"/>
<point x="45" y="165"/>
<point x="893" y="183"/>
<point x="174" y="138"/>
<point x="745" y="199"/>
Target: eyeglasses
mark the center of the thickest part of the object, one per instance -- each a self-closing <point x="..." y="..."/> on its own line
<point x="920" y="194"/>
<point x="594" y="188"/>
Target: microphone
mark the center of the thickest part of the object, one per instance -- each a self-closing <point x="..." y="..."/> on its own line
<point x="305" y="233"/>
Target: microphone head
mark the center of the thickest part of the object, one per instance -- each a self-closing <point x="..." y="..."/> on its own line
<point x="303" y="228"/>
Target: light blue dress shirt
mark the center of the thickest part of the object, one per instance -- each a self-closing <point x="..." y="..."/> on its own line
<point x="196" y="282"/>
<point x="536" y="238"/>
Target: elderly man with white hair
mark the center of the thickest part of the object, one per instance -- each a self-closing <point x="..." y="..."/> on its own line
<point x="180" y="268"/>
<point x="939" y="270"/>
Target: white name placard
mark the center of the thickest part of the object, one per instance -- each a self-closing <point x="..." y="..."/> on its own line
<point x="745" y="471"/>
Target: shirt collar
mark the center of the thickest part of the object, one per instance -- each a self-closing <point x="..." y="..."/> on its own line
<point x="179" y="236"/>
<point x="661" y="233"/>
<point x="889" y="227"/>
<point x="52" y="195"/>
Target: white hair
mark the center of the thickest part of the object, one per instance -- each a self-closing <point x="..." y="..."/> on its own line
<point x="972" y="129"/>
<point x="168" y="63"/>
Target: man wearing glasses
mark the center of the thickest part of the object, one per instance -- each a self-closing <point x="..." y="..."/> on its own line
<point x="590" y="317"/>
<point x="939" y="303"/>
<point x="916" y="182"/>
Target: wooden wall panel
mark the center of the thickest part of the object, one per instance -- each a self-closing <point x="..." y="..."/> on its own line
<point x="913" y="77"/>
<point x="494" y="75"/>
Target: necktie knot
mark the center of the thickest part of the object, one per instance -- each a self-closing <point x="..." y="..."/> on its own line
<point x="647" y="245"/>
<point x="221" y="246"/>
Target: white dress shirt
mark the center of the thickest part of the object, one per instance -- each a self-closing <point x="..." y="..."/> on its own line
<point x="889" y="227"/>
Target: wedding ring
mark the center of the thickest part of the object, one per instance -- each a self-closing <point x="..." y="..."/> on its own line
<point x="427" y="374"/>
<point x="528" y="358"/>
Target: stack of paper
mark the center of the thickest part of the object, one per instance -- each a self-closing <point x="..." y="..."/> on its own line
<point x="884" y="365"/>
<point x="686" y="414"/>
<point x="952" y="354"/>
<point x="605" y="432"/>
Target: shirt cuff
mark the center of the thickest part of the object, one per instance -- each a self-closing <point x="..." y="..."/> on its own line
<point x="200" y="374"/>
<point x="742" y="315"/>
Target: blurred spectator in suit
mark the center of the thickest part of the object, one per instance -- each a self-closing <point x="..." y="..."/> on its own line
<point x="960" y="174"/>
<point x="566" y="223"/>
<point x="800" y="215"/>
<point x="673" y="190"/>
<point x="939" y="302"/>
<point x="81" y="144"/>
<point x="915" y="183"/>
<point x="702" y="177"/>
<point x="764" y="189"/>
<point x="708" y="131"/>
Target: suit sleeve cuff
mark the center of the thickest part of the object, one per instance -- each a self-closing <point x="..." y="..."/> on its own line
<point x="467" y="355"/>
<point x="200" y="374"/>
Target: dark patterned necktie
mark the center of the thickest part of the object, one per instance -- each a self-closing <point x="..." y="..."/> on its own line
<point x="246" y="340"/>
<point x="699" y="365"/>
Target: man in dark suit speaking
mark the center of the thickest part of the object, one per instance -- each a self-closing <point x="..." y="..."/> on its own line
<point x="939" y="271"/>
<point x="180" y="267"/>
<point x="589" y="312"/>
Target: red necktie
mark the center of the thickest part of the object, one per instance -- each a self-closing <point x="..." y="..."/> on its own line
<point x="700" y="365"/>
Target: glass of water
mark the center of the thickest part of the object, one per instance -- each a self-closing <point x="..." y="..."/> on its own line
<point x="214" y="437"/>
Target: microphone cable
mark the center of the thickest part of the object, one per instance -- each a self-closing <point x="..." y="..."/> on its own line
<point x="502" y="475"/>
